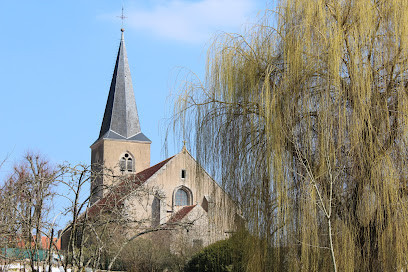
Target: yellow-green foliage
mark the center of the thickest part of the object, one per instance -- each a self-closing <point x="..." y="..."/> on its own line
<point x="304" y="118"/>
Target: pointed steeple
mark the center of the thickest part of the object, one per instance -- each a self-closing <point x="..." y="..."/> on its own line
<point x="121" y="120"/>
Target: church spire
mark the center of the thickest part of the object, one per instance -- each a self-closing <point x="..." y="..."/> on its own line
<point x="121" y="120"/>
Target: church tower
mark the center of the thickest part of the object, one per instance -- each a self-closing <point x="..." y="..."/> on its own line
<point x="121" y="146"/>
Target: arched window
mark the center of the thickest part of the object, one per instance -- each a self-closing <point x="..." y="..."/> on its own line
<point x="156" y="211"/>
<point x="181" y="198"/>
<point x="126" y="163"/>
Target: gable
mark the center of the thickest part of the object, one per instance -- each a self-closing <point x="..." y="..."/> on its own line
<point x="183" y="172"/>
<point x="120" y="191"/>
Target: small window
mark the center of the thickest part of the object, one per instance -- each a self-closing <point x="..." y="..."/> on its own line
<point x="183" y="174"/>
<point x="181" y="198"/>
<point x="122" y="164"/>
<point x="97" y="158"/>
<point x="129" y="165"/>
<point x="204" y="204"/>
<point x="156" y="212"/>
<point x="126" y="163"/>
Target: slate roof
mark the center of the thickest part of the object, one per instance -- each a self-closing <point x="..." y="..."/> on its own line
<point x="121" y="120"/>
<point x="181" y="214"/>
<point x="118" y="194"/>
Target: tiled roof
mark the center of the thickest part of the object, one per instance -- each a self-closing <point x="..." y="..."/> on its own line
<point x="181" y="214"/>
<point x="44" y="243"/>
<point x="118" y="193"/>
<point x="147" y="173"/>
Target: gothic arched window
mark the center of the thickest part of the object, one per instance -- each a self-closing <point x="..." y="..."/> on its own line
<point x="182" y="197"/>
<point x="126" y="163"/>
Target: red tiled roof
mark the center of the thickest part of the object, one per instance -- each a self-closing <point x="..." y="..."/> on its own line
<point x="181" y="214"/>
<point x="147" y="173"/>
<point x="44" y="243"/>
<point x="116" y="196"/>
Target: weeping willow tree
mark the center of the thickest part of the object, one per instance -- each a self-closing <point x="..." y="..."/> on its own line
<point x="304" y="118"/>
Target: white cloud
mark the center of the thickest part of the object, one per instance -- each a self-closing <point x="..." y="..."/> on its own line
<point x="191" y="21"/>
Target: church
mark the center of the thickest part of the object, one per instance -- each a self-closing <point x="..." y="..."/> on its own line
<point x="176" y="192"/>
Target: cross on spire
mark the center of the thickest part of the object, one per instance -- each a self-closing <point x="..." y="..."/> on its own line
<point x="123" y="17"/>
<point x="184" y="145"/>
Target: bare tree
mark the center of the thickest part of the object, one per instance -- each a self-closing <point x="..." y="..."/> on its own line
<point x="75" y="191"/>
<point x="29" y="196"/>
<point x="8" y="223"/>
<point x="97" y="234"/>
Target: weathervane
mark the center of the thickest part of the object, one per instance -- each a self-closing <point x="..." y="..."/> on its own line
<point x="123" y="17"/>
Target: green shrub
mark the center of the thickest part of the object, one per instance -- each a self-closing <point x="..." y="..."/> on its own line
<point x="241" y="252"/>
<point x="225" y="255"/>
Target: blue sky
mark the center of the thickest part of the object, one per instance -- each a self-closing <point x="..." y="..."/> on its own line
<point x="57" y="60"/>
